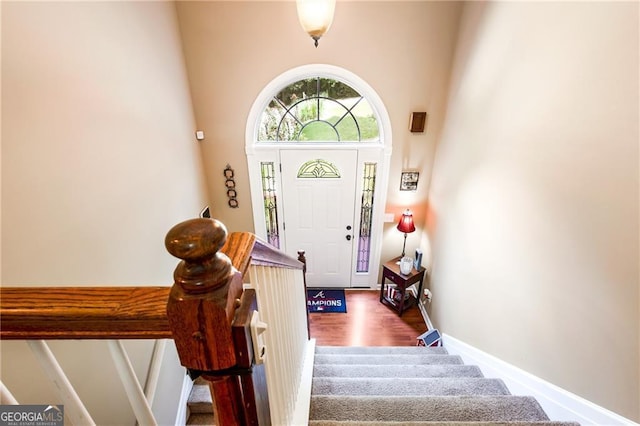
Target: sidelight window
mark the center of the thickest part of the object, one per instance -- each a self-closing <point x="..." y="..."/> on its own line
<point x="268" y="173"/>
<point x="366" y="216"/>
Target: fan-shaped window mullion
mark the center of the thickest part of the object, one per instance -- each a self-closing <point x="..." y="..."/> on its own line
<point x="295" y="116"/>
<point x="298" y="109"/>
<point x="315" y="122"/>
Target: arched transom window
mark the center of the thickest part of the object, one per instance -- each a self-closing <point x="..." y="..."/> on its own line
<point x="318" y="110"/>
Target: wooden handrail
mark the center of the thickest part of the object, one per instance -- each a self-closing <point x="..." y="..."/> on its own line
<point x="206" y="312"/>
<point x="30" y="313"/>
<point x="56" y="313"/>
<point x="266" y="255"/>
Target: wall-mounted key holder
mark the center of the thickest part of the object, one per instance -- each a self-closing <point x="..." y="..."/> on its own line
<point x="230" y="183"/>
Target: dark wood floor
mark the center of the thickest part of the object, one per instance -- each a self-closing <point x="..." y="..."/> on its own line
<point x="367" y="323"/>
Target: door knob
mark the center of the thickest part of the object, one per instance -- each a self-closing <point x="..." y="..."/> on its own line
<point x="348" y="237"/>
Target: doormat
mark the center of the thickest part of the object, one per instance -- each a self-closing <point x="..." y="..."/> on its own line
<point x="322" y="300"/>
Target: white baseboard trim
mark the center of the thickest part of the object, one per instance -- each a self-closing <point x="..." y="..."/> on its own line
<point x="182" y="414"/>
<point x="301" y="409"/>
<point x="425" y="315"/>
<point x="558" y="403"/>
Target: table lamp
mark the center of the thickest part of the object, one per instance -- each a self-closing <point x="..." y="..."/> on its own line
<point x="406" y="225"/>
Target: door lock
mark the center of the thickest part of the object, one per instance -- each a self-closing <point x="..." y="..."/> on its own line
<point x="348" y="237"/>
<point x="348" y="227"/>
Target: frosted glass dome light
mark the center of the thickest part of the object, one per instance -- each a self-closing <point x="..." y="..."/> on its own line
<point x="316" y="16"/>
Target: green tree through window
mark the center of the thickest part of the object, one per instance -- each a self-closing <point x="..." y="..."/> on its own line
<point x="318" y="110"/>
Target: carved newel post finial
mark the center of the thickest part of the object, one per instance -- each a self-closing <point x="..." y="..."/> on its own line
<point x="198" y="312"/>
<point x="197" y="242"/>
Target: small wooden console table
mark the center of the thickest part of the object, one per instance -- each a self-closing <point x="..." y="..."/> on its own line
<point x="391" y="272"/>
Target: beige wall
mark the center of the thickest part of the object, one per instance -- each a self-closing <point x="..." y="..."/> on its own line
<point x="402" y="49"/>
<point x="98" y="163"/>
<point x="534" y="202"/>
<point x="534" y="199"/>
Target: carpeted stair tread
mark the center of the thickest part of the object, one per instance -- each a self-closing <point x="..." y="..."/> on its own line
<point x="200" y="399"/>
<point x="199" y="419"/>
<point x="408" y="386"/>
<point x="417" y="423"/>
<point x="434" y="408"/>
<point x="386" y="359"/>
<point x="399" y="371"/>
<point x="381" y="350"/>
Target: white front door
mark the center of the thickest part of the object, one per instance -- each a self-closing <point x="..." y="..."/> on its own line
<point x="319" y="197"/>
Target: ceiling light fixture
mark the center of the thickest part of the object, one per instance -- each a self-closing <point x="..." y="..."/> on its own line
<point x="316" y="16"/>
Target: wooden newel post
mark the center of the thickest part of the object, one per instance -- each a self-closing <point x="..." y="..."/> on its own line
<point x="201" y="308"/>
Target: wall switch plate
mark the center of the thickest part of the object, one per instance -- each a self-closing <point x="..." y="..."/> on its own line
<point x="389" y="218"/>
<point x="200" y="135"/>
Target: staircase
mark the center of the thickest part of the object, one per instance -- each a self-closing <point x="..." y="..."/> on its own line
<point x="392" y="386"/>
<point x="380" y="386"/>
<point x="200" y="405"/>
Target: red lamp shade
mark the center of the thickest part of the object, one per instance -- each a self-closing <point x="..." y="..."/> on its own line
<point x="406" y="225"/>
<point x="406" y="222"/>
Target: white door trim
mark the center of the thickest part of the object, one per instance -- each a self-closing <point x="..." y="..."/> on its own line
<point x="379" y="152"/>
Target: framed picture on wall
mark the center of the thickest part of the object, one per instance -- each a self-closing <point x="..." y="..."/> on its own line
<point x="409" y="181"/>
